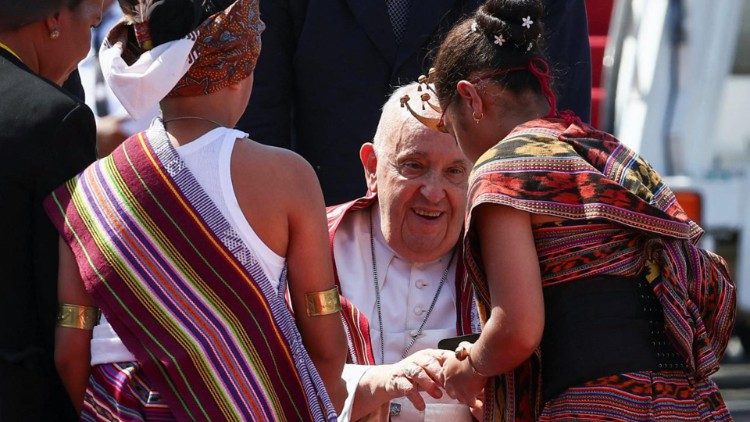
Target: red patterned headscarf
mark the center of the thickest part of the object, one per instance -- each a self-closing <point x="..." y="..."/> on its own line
<point x="220" y="52"/>
<point x="226" y="50"/>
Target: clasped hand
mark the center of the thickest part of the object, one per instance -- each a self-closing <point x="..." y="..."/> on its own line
<point x="461" y="381"/>
<point x="432" y="370"/>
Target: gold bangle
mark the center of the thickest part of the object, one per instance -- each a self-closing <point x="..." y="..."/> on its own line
<point x="463" y="352"/>
<point x="323" y="303"/>
<point x="77" y="316"/>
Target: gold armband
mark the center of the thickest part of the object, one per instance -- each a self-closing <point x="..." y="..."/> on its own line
<point x="323" y="303"/>
<point x="77" y="316"/>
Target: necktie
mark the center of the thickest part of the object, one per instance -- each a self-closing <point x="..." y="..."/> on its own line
<point x="398" y="12"/>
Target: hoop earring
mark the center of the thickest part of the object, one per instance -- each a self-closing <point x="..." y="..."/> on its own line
<point x="477" y="117"/>
<point x="54" y="34"/>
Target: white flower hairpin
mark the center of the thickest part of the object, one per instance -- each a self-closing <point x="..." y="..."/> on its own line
<point x="474" y="26"/>
<point x="527" y="22"/>
<point x="499" y="40"/>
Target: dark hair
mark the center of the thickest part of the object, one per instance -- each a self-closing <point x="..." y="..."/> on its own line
<point x="174" y="19"/>
<point x="17" y="13"/>
<point x="472" y="47"/>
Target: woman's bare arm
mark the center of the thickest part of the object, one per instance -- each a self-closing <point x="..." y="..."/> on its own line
<point x="514" y="328"/>
<point x="310" y="269"/>
<point x="72" y="345"/>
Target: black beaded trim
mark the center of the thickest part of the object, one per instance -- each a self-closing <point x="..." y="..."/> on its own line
<point x="667" y="357"/>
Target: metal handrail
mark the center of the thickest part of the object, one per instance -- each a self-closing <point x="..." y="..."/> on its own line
<point x="622" y="16"/>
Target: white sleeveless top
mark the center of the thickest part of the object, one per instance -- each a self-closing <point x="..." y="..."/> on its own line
<point x="208" y="159"/>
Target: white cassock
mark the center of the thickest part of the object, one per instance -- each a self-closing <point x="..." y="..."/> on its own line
<point x="406" y="292"/>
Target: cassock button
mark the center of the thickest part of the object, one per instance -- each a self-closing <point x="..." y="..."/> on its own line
<point x="421" y="283"/>
<point x="418" y="310"/>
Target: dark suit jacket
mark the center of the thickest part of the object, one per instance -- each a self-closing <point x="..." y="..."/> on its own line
<point x="46" y="137"/>
<point x="73" y="85"/>
<point x="327" y="66"/>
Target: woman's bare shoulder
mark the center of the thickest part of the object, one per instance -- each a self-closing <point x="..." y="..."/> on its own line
<point x="278" y="167"/>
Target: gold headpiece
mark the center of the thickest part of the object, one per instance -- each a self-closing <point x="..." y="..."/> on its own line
<point x="430" y="122"/>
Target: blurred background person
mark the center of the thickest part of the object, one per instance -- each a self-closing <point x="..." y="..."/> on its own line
<point x="113" y="123"/>
<point x="330" y="65"/>
<point x="47" y="137"/>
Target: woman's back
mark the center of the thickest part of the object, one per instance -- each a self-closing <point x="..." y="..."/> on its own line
<point x="209" y="159"/>
<point x="279" y="194"/>
<point x="617" y="255"/>
<point x="182" y="290"/>
<point x="166" y="248"/>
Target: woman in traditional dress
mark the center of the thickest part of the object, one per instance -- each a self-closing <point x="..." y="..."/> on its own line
<point x="596" y="301"/>
<point x="185" y="237"/>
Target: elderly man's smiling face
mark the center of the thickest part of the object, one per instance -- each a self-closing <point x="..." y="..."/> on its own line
<point x="420" y="176"/>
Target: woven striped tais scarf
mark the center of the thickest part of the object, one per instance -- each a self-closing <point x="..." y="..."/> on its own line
<point x="182" y="291"/>
<point x="630" y="223"/>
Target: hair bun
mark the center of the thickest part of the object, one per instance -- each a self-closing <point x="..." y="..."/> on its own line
<point x="514" y="23"/>
<point x="173" y="19"/>
<point x="210" y="7"/>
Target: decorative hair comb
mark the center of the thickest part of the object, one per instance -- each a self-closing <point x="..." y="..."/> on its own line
<point x="500" y="40"/>
<point x="138" y="16"/>
<point x="431" y="122"/>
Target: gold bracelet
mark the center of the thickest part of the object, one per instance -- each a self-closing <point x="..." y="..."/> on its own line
<point x="323" y="303"/>
<point x="77" y="316"/>
<point x="464" y="353"/>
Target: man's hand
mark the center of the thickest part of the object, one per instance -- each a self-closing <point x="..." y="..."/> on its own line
<point x="420" y="371"/>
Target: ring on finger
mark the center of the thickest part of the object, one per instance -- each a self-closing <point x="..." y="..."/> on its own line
<point x="462" y="352"/>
